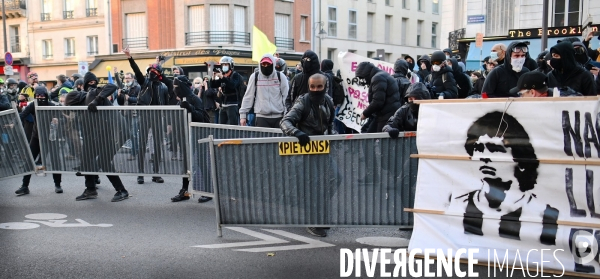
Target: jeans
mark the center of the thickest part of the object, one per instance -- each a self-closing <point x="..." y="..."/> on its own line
<point x="338" y="125"/>
<point x="251" y="117"/>
<point x="135" y="130"/>
<point x="229" y="115"/>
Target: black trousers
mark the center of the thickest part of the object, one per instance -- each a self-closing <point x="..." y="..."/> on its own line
<point x="268" y="122"/>
<point x="34" y="146"/>
<point x="90" y="182"/>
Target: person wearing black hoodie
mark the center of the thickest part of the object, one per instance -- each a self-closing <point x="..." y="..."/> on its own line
<point x="299" y="85"/>
<point x="442" y="82"/>
<point x="100" y="157"/>
<point x="383" y="95"/>
<point x="43" y="99"/>
<point x="411" y="63"/>
<point x="400" y="70"/>
<point x="463" y="82"/>
<point x="327" y="69"/>
<point x="406" y="117"/>
<point x="567" y="72"/>
<point x="504" y="77"/>
<point x="424" y="64"/>
<point x="542" y="63"/>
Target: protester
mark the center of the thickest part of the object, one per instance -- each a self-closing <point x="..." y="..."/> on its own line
<point x="567" y="72"/>
<point x="400" y="70"/>
<point x="478" y="80"/>
<point x="228" y="83"/>
<point x="463" y="83"/>
<point x="441" y="82"/>
<point x="504" y="77"/>
<point x="498" y="54"/>
<point x="12" y="89"/>
<point x="28" y="89"/>
<point x="4" y="102"/>
<point x="75" y="77"/>
<point x="424" y="64"/>
<point x="410" y="61"/>
<point x="299" y="84"/>
<point x="63" y="87"/>
<point x="448" y="53"/>
<point x="334" y="90"/>
<point x="406" y="117"/>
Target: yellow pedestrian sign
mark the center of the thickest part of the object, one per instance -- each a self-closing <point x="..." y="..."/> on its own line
<point x="313" y="147"/>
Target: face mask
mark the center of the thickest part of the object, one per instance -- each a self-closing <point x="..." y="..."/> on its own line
<point x="93" y="86"/>
<point x="517" y="64"/>
<point x="581" y="58"/>
<point x="556" y="64"/>
<point x="542" y="64"/>
<point x="153" y="76"/>
<point x="447" y="56"/>
<point x="411" y="66"/>
<point x="225" y="69"/>
<point x="129" y="84"/>
<point x="11" y="90"/>
<point x="42" y="101"/>
<point x="316" y="97"/>
<point x="267" y="71"/>
<point x="436" y="68"/>
<point x="473" y="79"/>
<point x="494" y="56"/>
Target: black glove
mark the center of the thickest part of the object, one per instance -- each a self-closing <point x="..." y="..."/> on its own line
<point x="185" y="105"/>
<point x="93" y="106"/>
<point x="393" y="132"/>
<point x="303" y="138"/>
<point x="182" y="80"/>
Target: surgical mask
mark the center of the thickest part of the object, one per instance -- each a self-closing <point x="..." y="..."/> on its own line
<point x="517" y="64"/>
<point x="225" y="69"/>
<point x="436" y="68"/>
<point x="129" y="84"/>
<point x="494" y="55"/>
<point x="447" y="57"/>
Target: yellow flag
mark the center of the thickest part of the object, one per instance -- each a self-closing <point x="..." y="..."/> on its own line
<point x="261" y="45"/>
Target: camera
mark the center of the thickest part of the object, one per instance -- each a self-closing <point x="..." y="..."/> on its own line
<point x="589" y="67"/>
<point x="125" y="91"/>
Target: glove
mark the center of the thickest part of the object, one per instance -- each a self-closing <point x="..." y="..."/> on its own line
<point x="393" y="133"/>
<point x="303" y="138"/>
<point x="93" y="106"/>
<point x="185" y="105"/>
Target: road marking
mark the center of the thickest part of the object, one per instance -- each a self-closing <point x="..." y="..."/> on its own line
<point x="266" y="240"/>
<point x="309" y="243"/>
<point x="53" y="220"/>
<point x="18" y="226"/>
<point x="386" y="242"/>
<point x="46" y="216"/>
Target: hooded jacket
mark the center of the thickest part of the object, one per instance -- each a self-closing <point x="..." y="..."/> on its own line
<point x="299" y="84"/>
<point x="530" y="63"/>
<point x="383" y="96"/>
<point x="316" y="122"/>
<point x="411" y="66"/>
<point x="65" y="88"/>
<point x="424" y="73"/>
<point x="29" y="110"/>
<point x="443" y="84"/>
<point x="152" y="92"/>
<point x="406" y="117"/>
<point x="400" y="72"/>
<point x="463" y="82"/>
<point x="585" y="56"/>
<point x="184" y="90"/>
<point x="502" y="78"/>
<point x="265" y="93"/>
<point x="89" y="76"/>
<point x="572" y="74"/>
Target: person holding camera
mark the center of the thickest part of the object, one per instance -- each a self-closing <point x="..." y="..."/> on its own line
<point x="567" y="72"/>
<point x="228" y="83"/>
<point x="127" y="96"/>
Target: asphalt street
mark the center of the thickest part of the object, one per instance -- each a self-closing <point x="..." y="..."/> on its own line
<point x="148" y="236"/>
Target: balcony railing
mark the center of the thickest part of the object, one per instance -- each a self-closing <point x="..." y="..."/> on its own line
<point x="45" y="16"/>
<point x="217" y="37"/>
<point x="91" y="12"/>
<point x="47" y="56"/>
<point x="69" y="54"/>
<point x="15" y="4"/>
<point x="67" y="14"/>
<point x="92" y="52"/>
<point x="15" y="44"/>
<point x="284" y="43"/>
<point x="140" y="42"/>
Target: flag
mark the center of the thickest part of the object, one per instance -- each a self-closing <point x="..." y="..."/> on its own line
<point x="110" y="79"/>
<point x="261" y="44"/>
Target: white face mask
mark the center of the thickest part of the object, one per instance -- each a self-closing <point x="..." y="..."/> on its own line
<point x="129" y="84"/>
<point x="225" y="69"/>
<point x="447" y="57"/>
<point x="494" y="55"/>
<point x="517" y="64"/>
<point x="436" y="68"/>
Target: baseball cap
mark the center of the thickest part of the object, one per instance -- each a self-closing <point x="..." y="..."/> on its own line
<point x="266" y="60"/>
<point x="531" y="80"/>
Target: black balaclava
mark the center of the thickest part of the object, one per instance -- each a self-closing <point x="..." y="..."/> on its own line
<point x="363" y="71"/>
<point x="152" y="75"/>
<point x="411" y="65"/>
<point x="326" y="65"/>
<point x="41" y="94"/>
<point x="268" y="70"/>
<point x="566" y="63"/>
<point x="317" y="97"/>
<point x="581" y="55"/>
<point x="89" y="76"/>
<point x="310" y="67"/>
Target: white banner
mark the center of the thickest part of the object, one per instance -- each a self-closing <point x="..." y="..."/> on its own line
<point x="356" y="92"/>
<point x="516" y="179"/>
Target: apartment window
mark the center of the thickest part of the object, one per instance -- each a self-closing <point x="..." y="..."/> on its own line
<point x="47" y="52"/>
<point x="566" y="12"/>
<point x="499" y="17"/>
<point x="68" y="9"/>
<point x="196" y="19"/>
<point x="219" y="23"/>
<point x="388" y="28"/>
<point x="370" y="20"/>
<point x="434" y="35"/>
<point x="419" y="27"/>
<point x="388" y="2"/>
<point x="388" y="57"/>
<point x="352" y="25"/>
<point x="370" y="54"/>
<point x="419" y="6"/>
<point x="15" y="38"/>
<point x="69" y="47"/>
<point x="303" y="28"/>
<point x="435" y="7"/>
<point x="91" y="8"/>
<point x="46" y="10"/>
<point x="403" y="32"/>
<point x="331" y="53"/>
<point x="283" y="39"/>
<point x="136" y="31"/>
<point x="92" y="45"/>
<point x="405" y="4"/>
<point x="332" y="24"/>
<point x="239" y="19"/>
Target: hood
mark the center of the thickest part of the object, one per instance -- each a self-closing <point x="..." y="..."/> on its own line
<point x="448" y="50"/>
<point x="582" y="58"/>
<point x="456" y="69"/>
<point x="542" y="55"/>
<point x="509" y="53"/>
<point x="418" y="90"/>
<point x="569" y="39"/>
<point x="89" y="76"/>
<point x="41" y="90"/>
<point x="411" y="66"/>
<point x="366" y="70"/>
<point x="326" y="65"/>
<point x="310" y="67"/>
<point x="401" y="66"/>
<point x="567" y="55"/>
<point x="424" y="58"/>
<point x="273" y="61"/>
<point x="181" y="72"/>
<point x="22" y="85"/>
<point x="67" y="84"/>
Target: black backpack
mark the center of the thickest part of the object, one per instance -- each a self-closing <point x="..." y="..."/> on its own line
<point x="338" y="93"/>
<point x="329" y="104"/>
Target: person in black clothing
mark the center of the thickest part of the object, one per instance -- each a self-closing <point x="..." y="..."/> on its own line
<point x="155" y="91"/>
<point x="411" y="63"/>
<point x="383" y="95"/>
<point x="463" y="83"/>
<point x="299" y="84"/>
<point x="441" y="82"/>
<point x="4" y="102"/>
<point x="530" y="63"/>
<point x="406" y="117"/>
<point x="448" y="53"/>
<point x="228" y="83"/>
<point x="337" y="96"/>
<point x="43" y="99"/>
<point x="208" y="95"/>
<point x="567" y="72"/>
<point x="542" y="63"/>
<point x="424" y="64"/>
<point x="504" y="77"/>
<point x="478" y="80"/>
<point x="401" y="68"/>
<point x="100" y="157"/>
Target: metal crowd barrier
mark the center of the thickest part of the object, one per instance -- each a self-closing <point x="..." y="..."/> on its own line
<point x="15" y="155"/>
<point x="201" y="180"/>
<point x="74" y="140"/>
<point x="365" y="180"/>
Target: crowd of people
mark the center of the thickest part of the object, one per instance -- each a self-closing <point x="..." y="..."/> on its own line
<point x="301" y="105"/>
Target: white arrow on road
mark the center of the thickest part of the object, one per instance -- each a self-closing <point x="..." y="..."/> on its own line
<point x="309" y="243"/>
<point x="266" y="240"/>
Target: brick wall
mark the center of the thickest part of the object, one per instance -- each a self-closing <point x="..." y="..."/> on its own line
<point x="302" y="7"/>
<point x="264" y="17"/>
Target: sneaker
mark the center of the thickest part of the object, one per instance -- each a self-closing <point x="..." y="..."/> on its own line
<point x="87" y="194"/>
<point x="157" y="179"/>
<point x="97" y="180"/>
<point x="182" y="196"/>
<point x="140" y="180"/>
<point x="120" y="195"/>
<point x="320" y="232"/>
<point x="58" y="189"/>
<point x="204" y="199"/>
<point x="24" y="190"/>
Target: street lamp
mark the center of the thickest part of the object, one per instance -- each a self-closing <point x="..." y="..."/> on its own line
<point x="322" y="34"/>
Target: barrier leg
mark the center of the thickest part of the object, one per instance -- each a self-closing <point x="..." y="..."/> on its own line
<point x="213" y="169"/>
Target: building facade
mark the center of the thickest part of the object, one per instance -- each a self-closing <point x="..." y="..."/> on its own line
<point x="394" y="27"/>
<point x="16" y="38"/>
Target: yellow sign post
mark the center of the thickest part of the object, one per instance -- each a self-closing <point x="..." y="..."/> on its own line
<point x="313" y="147"/>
